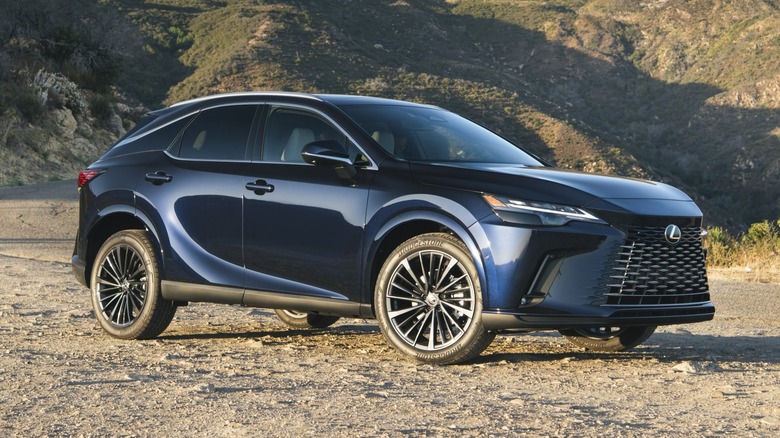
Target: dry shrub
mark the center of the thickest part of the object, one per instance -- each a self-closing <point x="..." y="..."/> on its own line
<point x="756" y="251"/>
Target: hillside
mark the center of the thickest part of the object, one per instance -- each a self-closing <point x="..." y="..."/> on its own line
<point x="686" y="92"/>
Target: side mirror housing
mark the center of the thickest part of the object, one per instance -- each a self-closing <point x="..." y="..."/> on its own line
<point x="331" y="153"/>
<point x="326" y="153"/>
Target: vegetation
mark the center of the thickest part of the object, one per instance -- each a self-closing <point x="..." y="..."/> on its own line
<point x="756" y="251"/>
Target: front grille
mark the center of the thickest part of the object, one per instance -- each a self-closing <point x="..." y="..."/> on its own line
<point x="649" y="271"/>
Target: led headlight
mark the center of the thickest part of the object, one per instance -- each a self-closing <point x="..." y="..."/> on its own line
<point x="538" y="213"/>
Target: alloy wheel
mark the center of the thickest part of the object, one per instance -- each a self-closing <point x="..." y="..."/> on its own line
<point x="121" y="285"/>
<point x="430" y="300"/>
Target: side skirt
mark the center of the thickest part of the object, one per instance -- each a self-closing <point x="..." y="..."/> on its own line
<point x="178" y="291"/>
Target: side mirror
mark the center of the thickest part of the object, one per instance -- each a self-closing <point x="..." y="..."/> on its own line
<point x="326" y="153"/>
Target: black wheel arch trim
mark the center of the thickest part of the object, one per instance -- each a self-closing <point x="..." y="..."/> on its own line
<point x="460" y="230"/>
<point x="125" y="209"/>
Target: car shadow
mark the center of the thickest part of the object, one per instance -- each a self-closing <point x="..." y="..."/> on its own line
<point x="662" y="347"/>
<point x="278" y="333"/>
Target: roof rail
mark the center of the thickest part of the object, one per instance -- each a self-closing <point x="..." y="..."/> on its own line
<point x="247" y="93"/>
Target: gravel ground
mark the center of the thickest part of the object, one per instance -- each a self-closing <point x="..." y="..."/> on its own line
<point x="234" y="371"/>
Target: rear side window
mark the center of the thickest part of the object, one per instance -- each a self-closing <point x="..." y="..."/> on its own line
<point x="157" y="140"/>
<point x="218" y="134"/>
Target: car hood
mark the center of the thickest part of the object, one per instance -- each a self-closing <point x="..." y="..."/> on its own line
<point x="559" y="186"/>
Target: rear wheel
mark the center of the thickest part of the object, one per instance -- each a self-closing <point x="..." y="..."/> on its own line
<point x="428" y="300"/>
<point x="126" y="287"/>
<point x="297" y="319"/>
<point x="608" y="338"/>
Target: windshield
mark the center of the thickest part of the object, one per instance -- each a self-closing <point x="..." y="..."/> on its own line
<point x="433" y="134"/>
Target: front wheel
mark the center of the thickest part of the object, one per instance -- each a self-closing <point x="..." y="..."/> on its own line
<point x="608" y="338"/>
<point x="428" y="300"/>
<point x="125" y="283"/>
<point x="294" y="318"/>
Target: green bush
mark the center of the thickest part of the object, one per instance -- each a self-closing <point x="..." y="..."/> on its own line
<point x="758" y="248"/>
<point x="82" y="58"/>
<point x="23" y="100"/>
<point x="101" y="106"/>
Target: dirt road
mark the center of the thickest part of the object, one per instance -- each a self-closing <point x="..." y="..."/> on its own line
<point x="233" y="371"/>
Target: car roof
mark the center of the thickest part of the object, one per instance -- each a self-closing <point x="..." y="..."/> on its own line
<point x="164" y="116"/>
<point x="343" y="99"/>
<point x="334" y="99"/>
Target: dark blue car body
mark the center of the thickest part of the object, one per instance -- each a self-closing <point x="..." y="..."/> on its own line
<point x="299" y="236"/>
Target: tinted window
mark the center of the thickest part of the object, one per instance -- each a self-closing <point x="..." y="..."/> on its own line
<point x="218" y="134"/>
<point x="432" y="134"/>
<point x="289" y="130"/>
<point x="156" y="140"/>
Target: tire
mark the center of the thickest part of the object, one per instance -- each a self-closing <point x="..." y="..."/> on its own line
<point x="125" y="283"/>
<point x="608" y="338"/>
<point x="428" y="301"/>
<point x="294" y="318"/>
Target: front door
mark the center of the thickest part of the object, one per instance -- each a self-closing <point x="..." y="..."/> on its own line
<point x="303" y="225"/>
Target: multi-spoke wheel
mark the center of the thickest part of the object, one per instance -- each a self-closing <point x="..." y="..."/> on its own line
<point x="608" y="338"/>
<point x="125" y="288"/>
<point x="297" y="319"/>
<point x="428" y="300"/>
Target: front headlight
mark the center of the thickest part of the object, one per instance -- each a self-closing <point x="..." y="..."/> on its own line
<point x="538" y="213"/>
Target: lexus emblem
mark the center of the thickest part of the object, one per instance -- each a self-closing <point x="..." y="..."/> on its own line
<point x="673" y="234"/>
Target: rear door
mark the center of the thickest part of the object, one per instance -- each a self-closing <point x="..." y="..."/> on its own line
<point x="303" y="230"/>
<point x="197" y="191"/>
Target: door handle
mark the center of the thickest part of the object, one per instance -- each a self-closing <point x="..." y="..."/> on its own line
<point x="260" y="187"/>
<point x="158" y="178"/>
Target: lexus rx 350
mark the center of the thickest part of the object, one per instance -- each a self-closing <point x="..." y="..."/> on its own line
<point x="325" y="206"/>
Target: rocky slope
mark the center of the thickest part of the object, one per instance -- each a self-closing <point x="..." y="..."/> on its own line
<point x="682" y="91"/>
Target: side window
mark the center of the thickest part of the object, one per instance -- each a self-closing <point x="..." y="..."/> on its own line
<point x="289" y="130"/>
<point x="218" y="134"/>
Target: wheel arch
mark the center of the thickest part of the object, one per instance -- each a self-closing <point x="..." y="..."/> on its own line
<point x="405" y="226"/>
<point x="112" y="221"/>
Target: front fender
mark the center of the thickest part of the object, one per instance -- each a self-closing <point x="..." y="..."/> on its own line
<point x="441" y="217"/>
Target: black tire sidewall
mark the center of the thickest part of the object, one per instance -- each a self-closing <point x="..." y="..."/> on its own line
<point x="475" y="334"/>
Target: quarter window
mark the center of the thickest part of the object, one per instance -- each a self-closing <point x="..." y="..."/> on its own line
<point x="218" y="134"/>
<point x="159" y="139"/>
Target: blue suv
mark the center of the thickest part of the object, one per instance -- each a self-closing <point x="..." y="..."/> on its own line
<point x="326" y="206"/>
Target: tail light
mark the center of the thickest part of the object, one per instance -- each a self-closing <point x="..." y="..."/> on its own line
<point x="85" y="176"/>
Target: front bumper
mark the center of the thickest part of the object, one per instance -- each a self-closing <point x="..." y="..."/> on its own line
<point x="591" y="275"/>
